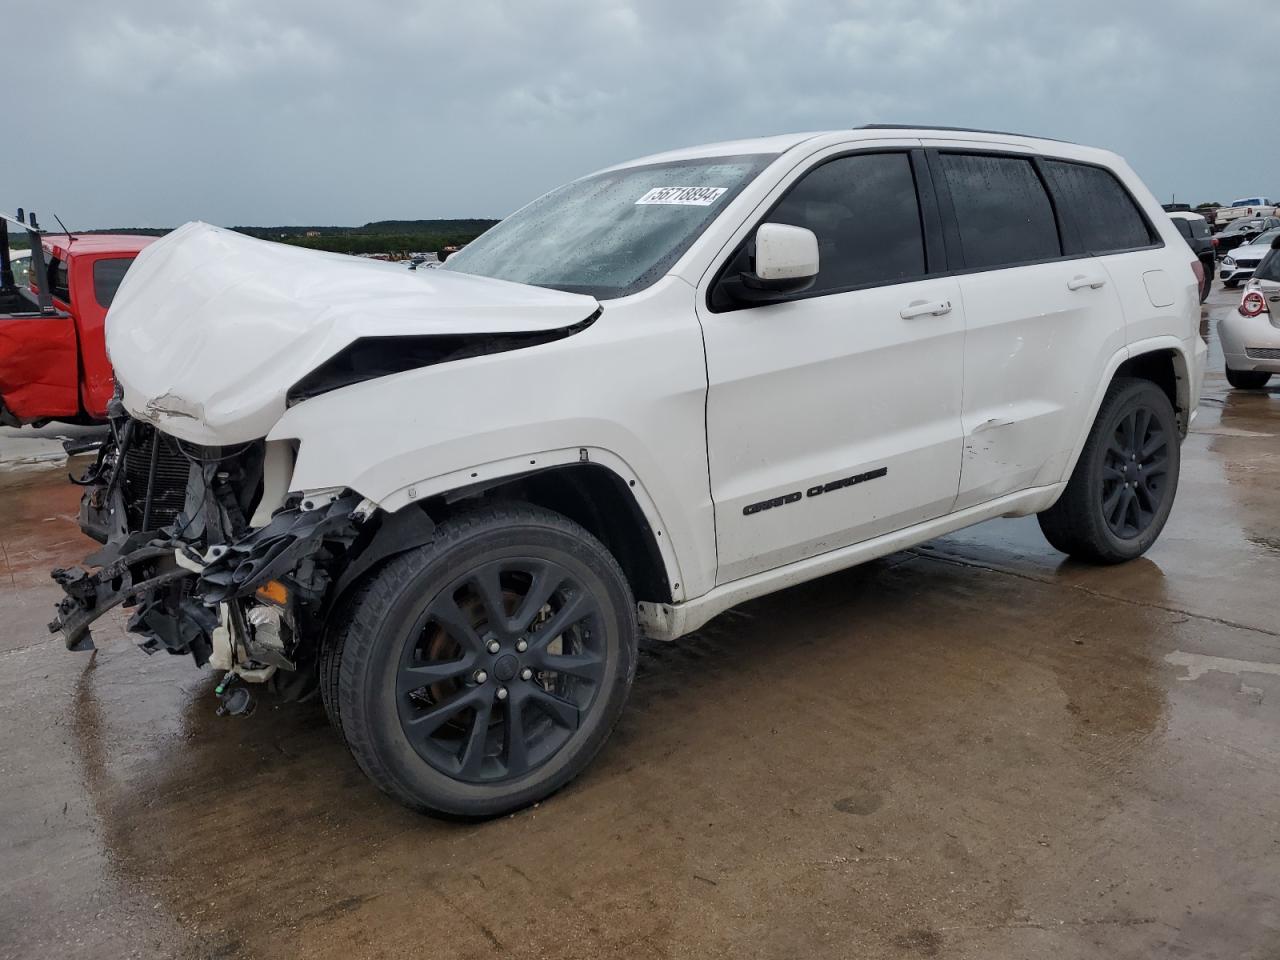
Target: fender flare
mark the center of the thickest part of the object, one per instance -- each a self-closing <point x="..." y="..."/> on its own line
<point x="1119" y="358"/>
<point x="477" y="478"/>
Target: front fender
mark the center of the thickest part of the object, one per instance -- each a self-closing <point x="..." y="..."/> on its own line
<point x="628" y="393"/>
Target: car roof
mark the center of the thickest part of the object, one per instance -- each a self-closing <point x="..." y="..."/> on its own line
<point x="871" y="132"/>
<point x="1185" y="215"/>
<point x="78" y="243"/>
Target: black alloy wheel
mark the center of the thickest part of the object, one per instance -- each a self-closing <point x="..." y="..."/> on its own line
<point x="482" y="672"/>
<point x="495" y="676"/>
<point x="1121" y="490"/>
<point x="1135" y="469"/>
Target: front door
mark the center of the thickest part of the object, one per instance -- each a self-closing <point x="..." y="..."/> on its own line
<point x="834" y="417"/>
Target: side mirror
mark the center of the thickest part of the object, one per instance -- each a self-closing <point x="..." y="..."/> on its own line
<point x="780" y="260"/>
<point x="786" y="259"/>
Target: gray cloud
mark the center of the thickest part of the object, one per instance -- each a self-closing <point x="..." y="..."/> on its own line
<point x="296" y="111"/>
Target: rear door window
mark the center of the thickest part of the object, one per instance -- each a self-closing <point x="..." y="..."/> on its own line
<point x="1104" y="218"/>
<point x="864" y="211"/>
<point x="107" y="275"/>
<point x="1184" y="227"/>
<point x="1002" y="210"/>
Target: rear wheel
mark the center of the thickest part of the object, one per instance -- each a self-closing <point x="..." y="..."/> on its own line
<point x="1122" y="489"/>
<point x="1247" y="379"/>
<point x="482" y="672"/>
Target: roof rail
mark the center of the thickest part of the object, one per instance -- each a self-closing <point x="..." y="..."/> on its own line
<point x="930" y="126"/>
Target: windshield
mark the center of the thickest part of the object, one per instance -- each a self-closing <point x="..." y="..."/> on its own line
<point x="1265" y="238"/>
<point x="1242" y="226"/>
<point x="1249" y="202"/>
<point x="612" y="234"/>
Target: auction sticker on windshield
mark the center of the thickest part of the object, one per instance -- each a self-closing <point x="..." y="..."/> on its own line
<point x="683" y="196"/>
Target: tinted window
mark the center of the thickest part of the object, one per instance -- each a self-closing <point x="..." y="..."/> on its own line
<point x="107" y="275"/>
<point x="1103" y="214"/>
<point x="58" y="279"/>
<point x="1199" y="228"/>
<point x="864" y="211"/>
<point x="1004" y="214"/>
<point x="1184" y="227"/>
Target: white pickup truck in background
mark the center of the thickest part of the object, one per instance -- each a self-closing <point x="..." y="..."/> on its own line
<point x="1248" y="207"/>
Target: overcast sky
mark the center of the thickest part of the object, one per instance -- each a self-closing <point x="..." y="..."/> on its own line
<point x="154" y="112"/>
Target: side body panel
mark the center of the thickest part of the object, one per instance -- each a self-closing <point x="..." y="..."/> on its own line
<point x="1033" y="353"/>
<point x="815" y="392"/>
<point x="38" y="369"/>
<point x="629" y="391"/>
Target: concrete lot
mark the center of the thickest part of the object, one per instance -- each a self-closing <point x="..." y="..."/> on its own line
<point x="972" y="749"/>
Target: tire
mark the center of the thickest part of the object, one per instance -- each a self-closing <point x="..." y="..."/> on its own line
<point x="1247" y="379"/>
<point x="1083" y="523"/>
<point x="482" y="672"/>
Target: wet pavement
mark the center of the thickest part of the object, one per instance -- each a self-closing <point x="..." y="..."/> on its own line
<point x="971" y="749"/>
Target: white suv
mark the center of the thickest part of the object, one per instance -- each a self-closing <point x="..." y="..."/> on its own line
<point x="455" y="497"/>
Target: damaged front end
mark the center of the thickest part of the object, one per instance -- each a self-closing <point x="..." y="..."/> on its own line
<point x="206" y="567"/>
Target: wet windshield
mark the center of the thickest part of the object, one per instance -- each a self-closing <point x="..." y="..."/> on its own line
<point x="612" y="234"/>
<point x="1244" y="226"/>
<point x="1265" y="238"/>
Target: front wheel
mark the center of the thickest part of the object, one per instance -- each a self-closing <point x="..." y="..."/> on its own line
<point x="1247" y="379"/>
<point x="482" y="672"/>
<point x="1121" y="491"/>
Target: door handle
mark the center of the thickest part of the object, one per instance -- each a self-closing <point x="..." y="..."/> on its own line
<point x="920" y="308"/>
<point x="1080" y="281"/>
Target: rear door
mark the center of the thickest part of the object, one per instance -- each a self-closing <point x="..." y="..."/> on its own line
<point x="1039" y="322"/>
<point x="1102" y="220"/>
<point x="834" y="416"/>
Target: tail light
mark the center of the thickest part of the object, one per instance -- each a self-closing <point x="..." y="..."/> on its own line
<point x="1252" y="304"/>
<point x="1198" y="269"/>
<point x="1215" y="241"/>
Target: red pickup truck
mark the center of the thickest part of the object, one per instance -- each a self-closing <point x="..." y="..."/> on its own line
<point x="53" y="355"/>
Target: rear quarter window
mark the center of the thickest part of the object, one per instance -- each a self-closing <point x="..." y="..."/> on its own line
<point x="107" y="275"/>
<point x="1100" y="214"/>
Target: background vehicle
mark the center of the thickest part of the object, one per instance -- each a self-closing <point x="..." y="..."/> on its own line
<point x="1241" y="232"/>
<point x="1195" y="230"/>
<point x="53" y="360"/>
<point x="1239" y="264"/>
<point x="20" y="261"/>
<point x="1247" y="207"/>
<point x="1250" y="335"/>
<point x="634" y="404"/>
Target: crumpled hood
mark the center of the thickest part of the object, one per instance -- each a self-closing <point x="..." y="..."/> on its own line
<point x="211" y="328"/>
